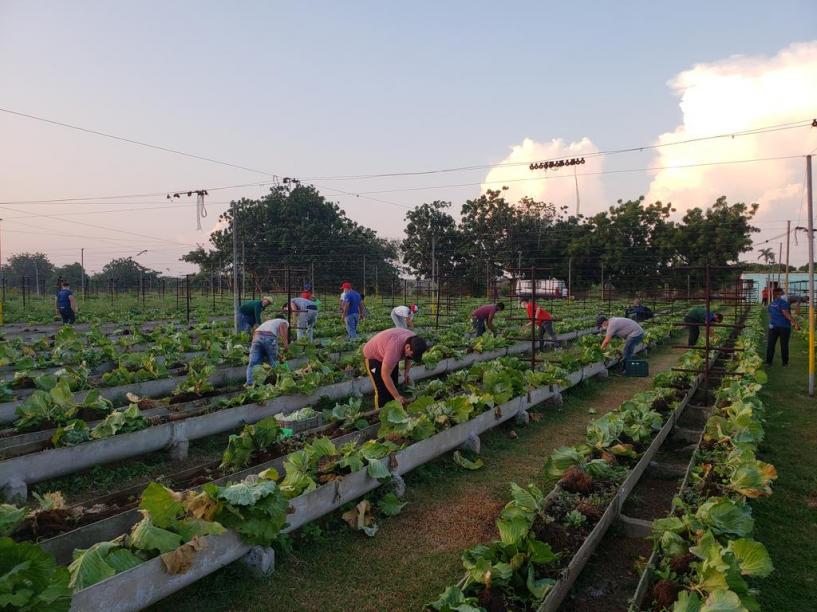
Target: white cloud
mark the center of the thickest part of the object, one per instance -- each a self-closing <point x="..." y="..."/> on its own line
<point x="737" y="94"/>
<point x="557" y="185"/>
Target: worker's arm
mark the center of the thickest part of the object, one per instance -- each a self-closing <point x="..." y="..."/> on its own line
<point x="787" y="313"/>
<point x="344" y="308"/>
<point x="407" y="371"/>
<point x="410" y="322"/>
<point x="56" y="305"/>
<point x="490" y="322"/>
<point x="283" y="336"/>
<point x="385" y="375"/>
<point x="605" y="342"/>
<point x="73" y="301"/>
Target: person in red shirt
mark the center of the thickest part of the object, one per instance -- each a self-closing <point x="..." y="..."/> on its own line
<point x="382" y="355"/>
<point x="544" y="320"/>
<point x="483" y="317"/>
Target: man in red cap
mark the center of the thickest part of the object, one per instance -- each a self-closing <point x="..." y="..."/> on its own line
<point x="382" y="355"/>
<point x="403" y="316"/>
<point x="350" y="309"/>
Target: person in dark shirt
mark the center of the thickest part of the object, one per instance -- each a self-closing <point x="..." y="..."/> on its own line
<point x="780" y="324"/>
<point x="66" y="304"/>
<point x="249" y="313"/>
<point x="483" y="317"/>
<point x="351" y="309"/>
<point x="698" y="317"/>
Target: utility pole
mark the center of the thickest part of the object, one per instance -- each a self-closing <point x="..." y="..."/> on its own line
<point x="37" y="277"/>
<point x="810" y="278"/>
<point x="433" y="257"/>
<point x="82" y="265"/>
<point x="779" y="262"/>
<point x="243" y="273"/>
<point x="788" y="246"/>
<point x="364" y="274"/>
<point x="235" y="268"/>
<point x="570" y="277"/>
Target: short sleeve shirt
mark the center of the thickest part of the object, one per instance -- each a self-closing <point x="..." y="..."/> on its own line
<point x="352" y="297"/>
<point x="272" y="326"/>
<point x="776" y="317"/>
<point x="483" y="312"/>
<point x="621" y="327"/>
<point x="387" y="347"/>
<point x="64" y="298"/>
<point x="402" y="311"/>
<point x="251" y="309"/>
<point x="304" y="304"/>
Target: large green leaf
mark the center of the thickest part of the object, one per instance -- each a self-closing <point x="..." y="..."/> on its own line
<point x="560" y="461"/>
<point x="10" y="518"/>
<point x="163" y="505"/>
<point x="538" y="588"/>
<point x="454" y="600"/>
<point x="753" y="558"/>
<point x="467" y="463"/>
<point x="390" y="505"/>
<point x="245" y="494"/>
<point x="99" y="562"/>
<point x="146" y="536"/>
<point x="687" y="602"/>
<point x="723" y="601"/>
<point x="724" y="516"/>
<point x="30" y="579"/>
<point x="512" y="531"/>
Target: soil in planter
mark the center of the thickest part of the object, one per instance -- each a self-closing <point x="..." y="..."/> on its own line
<point x="610" y="577"/>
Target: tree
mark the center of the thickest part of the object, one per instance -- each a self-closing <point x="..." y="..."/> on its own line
<point x="295" y="228"/>
<point x="35" y="267"/>
<point x="71" y="273"/>
<point x="127" y="272"/>
<point x="431" y="229"/>
<point x="767" y="255"/>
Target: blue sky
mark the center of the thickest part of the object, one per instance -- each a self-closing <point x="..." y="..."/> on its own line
<point x="329" y="88"/>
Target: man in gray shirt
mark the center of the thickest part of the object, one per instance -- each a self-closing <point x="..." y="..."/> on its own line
<point x="307" y="312"/>
<point x="621" y="327"/>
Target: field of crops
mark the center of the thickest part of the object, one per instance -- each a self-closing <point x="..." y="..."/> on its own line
<point x="135" y="462"/>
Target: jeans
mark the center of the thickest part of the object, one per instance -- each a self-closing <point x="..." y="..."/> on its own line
<point x="264" y="348"/>
<point x="546" y="328"/>
<point x="694" y="332"/>
<point x="351" y="325"/>
<point x="630" y="344"/>
<point x="382" y="396"/>
<point x="245" y="322"/>
<point x="784" y="333"/>
<point x="68" y="315"/>
<point x="306" y="324"/>
<point x="399" y="321"/>
<point x="479" y="326"/>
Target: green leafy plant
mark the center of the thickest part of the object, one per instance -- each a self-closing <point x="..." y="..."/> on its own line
<point x="30" y="579"/>
<point x="253" y="438"/>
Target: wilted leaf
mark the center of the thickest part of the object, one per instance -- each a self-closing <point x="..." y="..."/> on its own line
<point x="467" y="463"/>
<point x="180" y="560"/>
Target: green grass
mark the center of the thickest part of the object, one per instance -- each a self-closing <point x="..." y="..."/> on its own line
<point x="786" y="522"/>
<point x="417" y="554"/>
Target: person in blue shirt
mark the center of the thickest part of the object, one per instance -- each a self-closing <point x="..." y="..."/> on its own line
<point x="66" y="304"/>
<point x="780" y="324"/>
<point x="350" y="309"/>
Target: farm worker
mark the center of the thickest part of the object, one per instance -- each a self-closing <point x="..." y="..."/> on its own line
<point x="764" y="295"/>
<point x="621" y="327"/>
<point x="66" y="304"/>
<point x="382" y="355"/>
<point x="249" y="313"/>
<point x="265" y="342"/>
<point x="639" y="312"/>
<point x="695" y="318"/>
<point x="544" y="320"/>
<point x="484" y="317"/>
<point x="350" y="309"/>
<point x="307" y="313"/>
<point x="403" y="316"/>
<point x="780" y="323"/>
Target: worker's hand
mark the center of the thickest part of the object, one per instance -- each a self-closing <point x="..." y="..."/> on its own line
<point x="403" y="400"/>
<point x="281" y="357"/>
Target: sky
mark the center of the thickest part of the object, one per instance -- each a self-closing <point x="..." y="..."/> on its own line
<point x="323" y="90"/>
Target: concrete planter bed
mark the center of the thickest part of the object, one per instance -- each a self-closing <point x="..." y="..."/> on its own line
<point x="18" y="472"/>
<point x="568" y="575"/>
<point x="149" y="582"/>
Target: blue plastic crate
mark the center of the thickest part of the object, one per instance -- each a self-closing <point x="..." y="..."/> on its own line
<point x="636" y="367"/>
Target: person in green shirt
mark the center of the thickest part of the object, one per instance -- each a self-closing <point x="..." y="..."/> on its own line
<point x="698" y="317"/>
<point x="249" y="313"/>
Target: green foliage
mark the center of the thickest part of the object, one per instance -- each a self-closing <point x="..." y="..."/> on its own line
<point x="255" y="510"/>
<point x="252" y="439"/>
<point x="10" y="518"/>
<point x="30" y="580"/>
<point x="119" y="422"/>
<point x="100" y="561"/>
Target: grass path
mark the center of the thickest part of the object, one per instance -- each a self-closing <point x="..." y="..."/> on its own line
<point x="417" y="554"/>
<point x="786" y="522"/>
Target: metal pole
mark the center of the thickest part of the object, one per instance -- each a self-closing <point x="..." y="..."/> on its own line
<point x="570" y="277"/>
<point x="364" y="274"/>
<point x="289" y="304"/>
<point x="82" y="266"/>
<point x="187" y="295"/>
<point x="243" y="272"/>
<point x="810" y="278"/>
<point x="788" y="246"/>
<point x="235" y="267"/>
<point x="779" y="262"/>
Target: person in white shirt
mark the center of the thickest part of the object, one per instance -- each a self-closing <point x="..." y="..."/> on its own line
<point x="265" y="342"/>
<point x="307" y="312"/>
<point x="403" y="316"/>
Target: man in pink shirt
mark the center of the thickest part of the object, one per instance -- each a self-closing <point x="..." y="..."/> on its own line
<point x="382" y="355"/>
<point x="483" y="317"/>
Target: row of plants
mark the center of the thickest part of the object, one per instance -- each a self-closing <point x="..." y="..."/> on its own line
<point x="539" y="534"/>
<point x="707" y="557"/>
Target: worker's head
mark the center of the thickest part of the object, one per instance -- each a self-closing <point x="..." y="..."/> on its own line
<point x="637" y="302"/>
<point x="717" y="317"/>
<point x="601" y="322"/>
<point x="65" y="284"/>
<point x="266" y="301"/>
<point x="777" y="292"/>
<point x="500" y="306"/>
<point x="307" y="286"/>
<point x="346" y="286"/>
<point x="415" y="347"/>
<point x="414" y="308"/>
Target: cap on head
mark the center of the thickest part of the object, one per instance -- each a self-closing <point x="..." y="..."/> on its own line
<point x="307" y="286"/>
<point x="600" y="320"/>
<point x="267" y="299"/>
<point x="346" y="285"/>
<point x="413" y="308"/>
